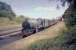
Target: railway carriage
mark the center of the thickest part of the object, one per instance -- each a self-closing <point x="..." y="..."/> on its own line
<point x="33" y="26"/>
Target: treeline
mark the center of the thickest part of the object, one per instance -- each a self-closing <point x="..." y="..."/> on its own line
<point x="70" y="21"/>
<point x="7" y="15"/>
<point x="6" y="11"/>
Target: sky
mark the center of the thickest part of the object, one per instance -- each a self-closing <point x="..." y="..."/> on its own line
<point x="37" y="8"/>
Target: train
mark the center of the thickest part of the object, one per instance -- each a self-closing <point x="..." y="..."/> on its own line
<point x="33" y="26"/>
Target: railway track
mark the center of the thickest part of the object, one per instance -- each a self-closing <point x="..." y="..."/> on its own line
<point x="9" y="31"/>
<point x="9" y="36"/>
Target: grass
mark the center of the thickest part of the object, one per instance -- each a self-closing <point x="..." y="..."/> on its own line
<point x="50" y="43"/>
<point x="7" y="22"/>
<point x="44" y="44"/>
<point x="57" y="43"/>
<point x="61" y="42"/>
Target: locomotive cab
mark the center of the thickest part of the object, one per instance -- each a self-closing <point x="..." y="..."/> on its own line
<point x="27" y="29"/>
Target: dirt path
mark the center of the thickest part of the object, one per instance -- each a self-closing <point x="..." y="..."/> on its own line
<point x="47" y="33"/>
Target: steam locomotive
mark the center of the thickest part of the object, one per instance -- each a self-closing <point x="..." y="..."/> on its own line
<point x="30" y="27"/>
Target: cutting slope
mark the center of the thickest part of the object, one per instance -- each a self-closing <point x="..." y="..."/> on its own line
<point x="47" y="33"/>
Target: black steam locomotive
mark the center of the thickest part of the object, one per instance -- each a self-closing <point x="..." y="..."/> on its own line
<point x="33" y="26"/>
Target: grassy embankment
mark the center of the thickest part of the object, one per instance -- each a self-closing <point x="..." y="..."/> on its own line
<point x="7" y="22"/>
<point x="38" y="41"/>
<point x="54" y="39"/>
<point x="64" y="41"/>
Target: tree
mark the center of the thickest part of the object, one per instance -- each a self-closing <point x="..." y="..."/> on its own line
<point x="70" y="15"/>
<point x="6" y="11"/>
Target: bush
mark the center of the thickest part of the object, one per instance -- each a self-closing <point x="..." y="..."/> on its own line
<point x="70" y="15"/>
<point x="6" y="11"/>
<point x="71" y="34"/>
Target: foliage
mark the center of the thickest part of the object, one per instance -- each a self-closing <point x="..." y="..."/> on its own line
<point x="71" y="34"/>
<point x="6" y="21"/>
<point x="19" y="19"/>
<point x="6" y="11"/>
<point x="70" y="16"/>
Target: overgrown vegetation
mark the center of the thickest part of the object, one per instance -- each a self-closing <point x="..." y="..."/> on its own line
<point x="70" y="21"/>
<point x="6" y="21"/>
<point x="66" y="41"/>
<point x="6" y="11"/>
<point x="70" y="15"/>
<point x="7" y="16"/>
